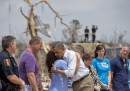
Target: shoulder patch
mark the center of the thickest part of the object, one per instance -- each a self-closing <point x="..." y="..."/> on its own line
<point x="7" y="62"/>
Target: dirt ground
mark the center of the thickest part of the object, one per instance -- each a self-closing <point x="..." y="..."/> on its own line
<point x="70" y="89"/>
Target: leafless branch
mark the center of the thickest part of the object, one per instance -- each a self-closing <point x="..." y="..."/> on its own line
<point x="23" y="13"/>
<point x="28" y="2"/>
<point x="55" y="21"/>
<point x="45" y="1"/>
<point x="57" y="15"/>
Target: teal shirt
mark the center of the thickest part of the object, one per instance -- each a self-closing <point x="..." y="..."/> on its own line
<point x="102" y="67"/>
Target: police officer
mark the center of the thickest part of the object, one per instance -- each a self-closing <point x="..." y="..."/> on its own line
<point x="94" y="29"/>
<point x="8" y="67"/>
<point x="86" y="34"/>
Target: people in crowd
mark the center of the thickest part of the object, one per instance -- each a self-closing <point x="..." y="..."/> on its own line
<point x="87" y="59"/>
<point x="102" y="66"/>
<point x="80" y="50"/>
<point x="129" y="69"/>
<point x="119" y="70"/>
<point x="86" y="34"/>
<point x="58" y="82"/>
<point x="8" y="67"/>
<point x="28" y="66"/>
<point x="87" y="51"/>
<point x="94" y="29"/>
<point x="82" y="81"/>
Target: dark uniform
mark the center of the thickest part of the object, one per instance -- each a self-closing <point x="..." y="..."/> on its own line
<point x="86" y="31"/>
<point x="8" y="66"/>
<point x="94" y="28"/>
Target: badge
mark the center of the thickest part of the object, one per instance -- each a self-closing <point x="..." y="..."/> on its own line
<point x="7" y="62"/>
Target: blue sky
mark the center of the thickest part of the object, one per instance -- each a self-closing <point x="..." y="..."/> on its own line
<point x="108" y="15"/>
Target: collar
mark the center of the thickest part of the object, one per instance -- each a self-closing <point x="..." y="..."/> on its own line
<point x="123" y="60"/>
<point x="65" y="54"/>
<point x="7" y="53"/>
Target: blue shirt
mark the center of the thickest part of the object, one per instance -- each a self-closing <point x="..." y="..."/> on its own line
<point x="129" y="73"/>
<point x="102" y="67"/>
<point x="59" y="82"/>
<point x="120" y="74"/>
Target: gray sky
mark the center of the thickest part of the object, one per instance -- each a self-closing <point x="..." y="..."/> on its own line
<point x="108" y="15"/>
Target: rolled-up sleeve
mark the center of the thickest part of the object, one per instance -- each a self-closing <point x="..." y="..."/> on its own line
<point x="71" y="65"/>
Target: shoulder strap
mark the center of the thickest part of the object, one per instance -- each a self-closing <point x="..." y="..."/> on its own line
<point x="77" y="62"/>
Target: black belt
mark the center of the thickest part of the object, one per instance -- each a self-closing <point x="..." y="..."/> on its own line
<point x="81" y="78"/>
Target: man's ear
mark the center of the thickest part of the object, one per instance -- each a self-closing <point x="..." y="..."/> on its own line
<point x="35" y="43"/>
<point x="11" y="45"/>
<point x="62" y="48"/>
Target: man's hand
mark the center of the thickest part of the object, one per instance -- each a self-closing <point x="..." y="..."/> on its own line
<point x="97" y="88"/>
<point x="23" y="84"/>
<point x="53" y="68"/>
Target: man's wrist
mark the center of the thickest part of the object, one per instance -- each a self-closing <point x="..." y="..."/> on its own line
<point x="56" y="70"/>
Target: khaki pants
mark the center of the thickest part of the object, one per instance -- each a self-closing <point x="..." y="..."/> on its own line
<point x="85" y="84"/>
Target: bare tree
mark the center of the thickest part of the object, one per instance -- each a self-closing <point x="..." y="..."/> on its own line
<point x="117" y="38"/>
<point x="121" y="36"/>
<point x="71" y="35"/>
<point x="31" y="17"/>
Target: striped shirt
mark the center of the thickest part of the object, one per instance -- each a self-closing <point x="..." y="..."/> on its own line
<point x="94" y="76"/>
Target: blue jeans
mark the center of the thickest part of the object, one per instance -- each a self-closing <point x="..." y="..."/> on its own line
<point x="0" y="85"/>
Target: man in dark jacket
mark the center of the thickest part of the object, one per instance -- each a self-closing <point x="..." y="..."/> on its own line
<point x="86" y="34"/>
<point x="94" y="29"/>
<point x="119" y="70"/>
<point x="8" y="67"/>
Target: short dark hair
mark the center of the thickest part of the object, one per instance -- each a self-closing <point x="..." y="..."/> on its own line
<point x="87" y="57"/>
<point x="80" y="48"/>
<point x="99" y="47"/>
<point x="57" y="44"/>
<point x="7" y="40"/>
<point x="129" y="55"/>
<point x="35" y="39"/>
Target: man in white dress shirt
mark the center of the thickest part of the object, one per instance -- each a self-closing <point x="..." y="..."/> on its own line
<point x="81" y="79"/>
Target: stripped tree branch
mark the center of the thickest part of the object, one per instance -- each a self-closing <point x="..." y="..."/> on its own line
<point x="23" y="13"/>
<point x="55" y="21"/>
<point x="28" y="2"/>
<point x="45" y="1"/>
<point x="57" y="15"/>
